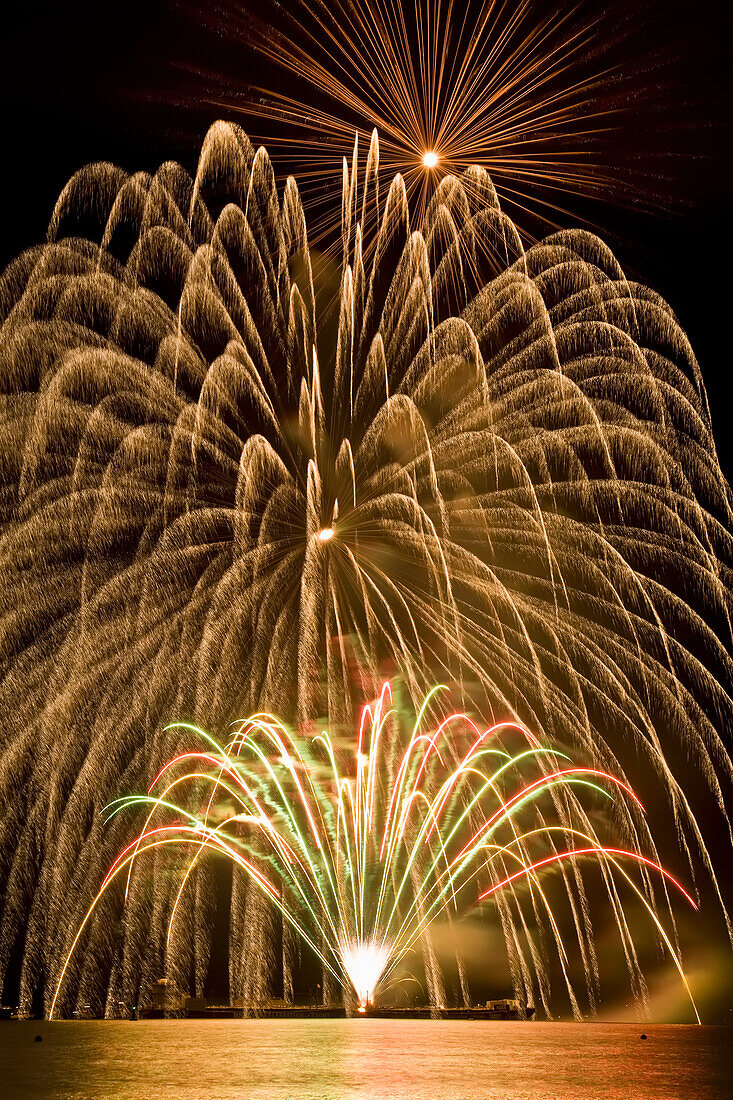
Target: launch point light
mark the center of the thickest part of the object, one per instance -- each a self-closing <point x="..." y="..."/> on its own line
<point x="326" y="534"/>
<point x="430" y="159"/>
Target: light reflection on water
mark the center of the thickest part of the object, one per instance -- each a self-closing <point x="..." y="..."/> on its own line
<point x="361" y="1059"/>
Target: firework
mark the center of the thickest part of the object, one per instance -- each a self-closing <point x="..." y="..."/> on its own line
<point x="363" y="861"/>
<point x="238" y="477"/>
<point x="444" y="85"/>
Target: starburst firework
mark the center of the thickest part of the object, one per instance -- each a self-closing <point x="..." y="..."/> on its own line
<point x="445" y="85"/>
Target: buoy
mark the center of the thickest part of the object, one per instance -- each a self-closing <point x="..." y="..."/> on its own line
<point x="38" y="1039"/>
<point x="643" y="1035"/>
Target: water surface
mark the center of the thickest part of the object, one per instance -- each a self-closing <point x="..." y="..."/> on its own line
<point x="361" y="1060"/>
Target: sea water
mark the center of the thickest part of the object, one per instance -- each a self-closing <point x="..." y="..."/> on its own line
<point x="362" y="1059"/>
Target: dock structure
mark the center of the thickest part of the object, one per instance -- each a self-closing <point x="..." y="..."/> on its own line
<point x="499" y="1010"/>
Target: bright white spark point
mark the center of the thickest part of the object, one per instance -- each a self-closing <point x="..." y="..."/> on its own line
<point x="430" y="159"/>
<point x="326" y="534"/>
<point x="364" y="963"/>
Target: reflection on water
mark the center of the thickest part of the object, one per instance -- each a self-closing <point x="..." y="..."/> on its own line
<point x="361" y="1059"/>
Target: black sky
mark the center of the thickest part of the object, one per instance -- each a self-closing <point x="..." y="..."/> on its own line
<point x="107" y="81"/>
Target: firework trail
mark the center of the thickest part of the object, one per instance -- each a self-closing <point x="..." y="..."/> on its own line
<point x="363" y="862"/>
<point x="234" y="471"/>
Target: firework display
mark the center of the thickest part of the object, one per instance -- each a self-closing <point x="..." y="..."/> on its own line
<point x="363" y="863"/>
<point x="240" y="476"/>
